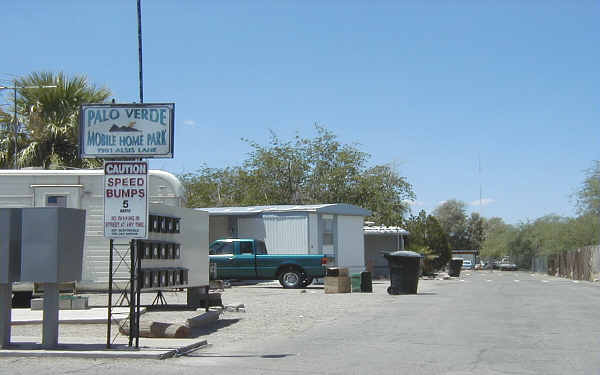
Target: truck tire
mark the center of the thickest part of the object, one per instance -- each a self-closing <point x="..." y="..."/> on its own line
<point x="291" y="278"/>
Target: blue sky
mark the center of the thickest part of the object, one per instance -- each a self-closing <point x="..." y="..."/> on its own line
<point x="428" y="88"/>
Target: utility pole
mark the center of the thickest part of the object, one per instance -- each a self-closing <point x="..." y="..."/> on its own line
<point x="15" y="119"/>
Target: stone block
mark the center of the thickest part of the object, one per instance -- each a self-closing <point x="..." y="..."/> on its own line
<point x="79" y="303"/>
<point x="37" y="304"/>
<point x="203" y="320"/>
<point x="340" y="284"/>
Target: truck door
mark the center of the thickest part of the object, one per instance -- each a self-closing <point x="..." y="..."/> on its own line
<point x="245" y="262"/>
<point x="222" y="254"/>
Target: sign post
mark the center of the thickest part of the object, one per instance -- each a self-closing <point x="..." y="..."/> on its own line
<point x="125" y="199"/>
<point x="129" y="132"/>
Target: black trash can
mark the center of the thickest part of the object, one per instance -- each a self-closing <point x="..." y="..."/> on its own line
<point x="454" y="267"/>
<point x="405" y="269"/>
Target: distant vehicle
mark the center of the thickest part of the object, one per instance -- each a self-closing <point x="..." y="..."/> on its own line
<point x="247" y="259"/>
<point x="505" y="265"/>
<point x="467" y="265"/>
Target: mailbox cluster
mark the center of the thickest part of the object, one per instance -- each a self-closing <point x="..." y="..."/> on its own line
<point x="168" y="274"/>
<point x="164" y="224"/>
<point x="163" y="277"/>
<point x="159" y="250"/>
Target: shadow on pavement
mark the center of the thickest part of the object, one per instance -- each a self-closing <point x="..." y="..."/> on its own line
<point x="219" y="324"/>
<point x="216" y="355"/>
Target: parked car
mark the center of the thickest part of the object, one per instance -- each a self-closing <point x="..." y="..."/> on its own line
<point x="247" y="259"/>
<point x="467" y="265"/>
<point x="507" y="266"/>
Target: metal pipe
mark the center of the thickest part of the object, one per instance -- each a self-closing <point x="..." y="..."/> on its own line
<point x="110" y="290"/>
<point x="139" y="19"/>
<point x="16" y="124"/>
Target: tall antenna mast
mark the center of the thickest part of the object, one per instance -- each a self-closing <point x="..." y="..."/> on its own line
<point x="480" y="186"/>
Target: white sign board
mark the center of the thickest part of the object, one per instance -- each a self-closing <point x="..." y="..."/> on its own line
<point x="125" y="199"/>
<point x="126" y="130"/>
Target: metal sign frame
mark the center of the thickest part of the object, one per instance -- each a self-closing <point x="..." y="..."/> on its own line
<point x="109" y="139"/>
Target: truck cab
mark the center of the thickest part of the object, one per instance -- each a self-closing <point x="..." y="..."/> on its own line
<point x="248" y="259"/>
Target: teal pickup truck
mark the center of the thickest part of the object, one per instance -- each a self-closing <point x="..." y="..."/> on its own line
<point x="247" y="259"/>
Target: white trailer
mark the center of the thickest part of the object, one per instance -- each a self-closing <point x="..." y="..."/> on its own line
<point x="84" y="189"/>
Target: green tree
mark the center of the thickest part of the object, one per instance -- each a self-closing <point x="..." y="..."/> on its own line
<point x="475" y="230"/>
<point x="453" y="219"/>
<point x="304" y="171"/>
<point x="428" y="238"/>
<point x="50" y="116"/>
<point x="277" y="172"/>
<point x="588" y="196"/>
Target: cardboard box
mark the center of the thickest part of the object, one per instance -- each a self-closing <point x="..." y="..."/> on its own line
<point x="340" y="284"/>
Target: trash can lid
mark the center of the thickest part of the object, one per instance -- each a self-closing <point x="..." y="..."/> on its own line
<point x="402" y="254"/>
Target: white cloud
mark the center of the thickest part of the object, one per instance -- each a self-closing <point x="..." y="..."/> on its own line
<point x="484" y="202"/>
<point x="189" y="122"/>
<point x="441" y="203"/>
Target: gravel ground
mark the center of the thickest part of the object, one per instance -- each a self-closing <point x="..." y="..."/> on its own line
<point x="269" y="311"/>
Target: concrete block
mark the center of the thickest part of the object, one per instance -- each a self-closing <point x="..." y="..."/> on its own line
<point x="340" y="284"/>
<point x="37" y="304"/>
<point x="203" y="320"/>
<point x="79" y="303"/>
<point x="64" y="303"/>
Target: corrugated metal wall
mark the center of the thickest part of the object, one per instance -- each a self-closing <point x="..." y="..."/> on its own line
<point x="219" y="228"/>
<point x="286" y="233"/>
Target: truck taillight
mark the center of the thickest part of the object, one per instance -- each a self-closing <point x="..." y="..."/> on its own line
<point x="324" y="261"/>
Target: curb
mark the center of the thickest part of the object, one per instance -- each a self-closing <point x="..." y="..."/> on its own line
<point x="143" y="353"/>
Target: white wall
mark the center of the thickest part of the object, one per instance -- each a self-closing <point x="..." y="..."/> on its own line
<point x="219" y="228"/>
<point x="251" y="227"/>
<point x="351" y="245"/>
<point x="193" y="240"/>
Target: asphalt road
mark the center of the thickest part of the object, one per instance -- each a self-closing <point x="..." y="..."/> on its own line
<point x="485" y="323"/>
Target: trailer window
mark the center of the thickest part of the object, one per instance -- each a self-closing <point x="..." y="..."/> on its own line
<point x="327" y="230"/>
<point x="56" y="201"/>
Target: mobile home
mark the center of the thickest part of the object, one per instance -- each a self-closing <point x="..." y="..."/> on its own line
<point x="84" y="189"/>
<point x="335" y="230"/>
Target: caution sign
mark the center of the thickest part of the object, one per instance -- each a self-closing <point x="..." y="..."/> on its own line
<point x="125" y="199"/>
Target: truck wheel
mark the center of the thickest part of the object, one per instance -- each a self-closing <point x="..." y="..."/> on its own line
<point x="290" y="278"/>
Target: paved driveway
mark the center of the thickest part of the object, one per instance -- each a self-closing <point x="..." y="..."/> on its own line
<point x="488" y="322"/>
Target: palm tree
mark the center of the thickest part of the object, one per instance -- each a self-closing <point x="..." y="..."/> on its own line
<point x="51" y="116"/>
